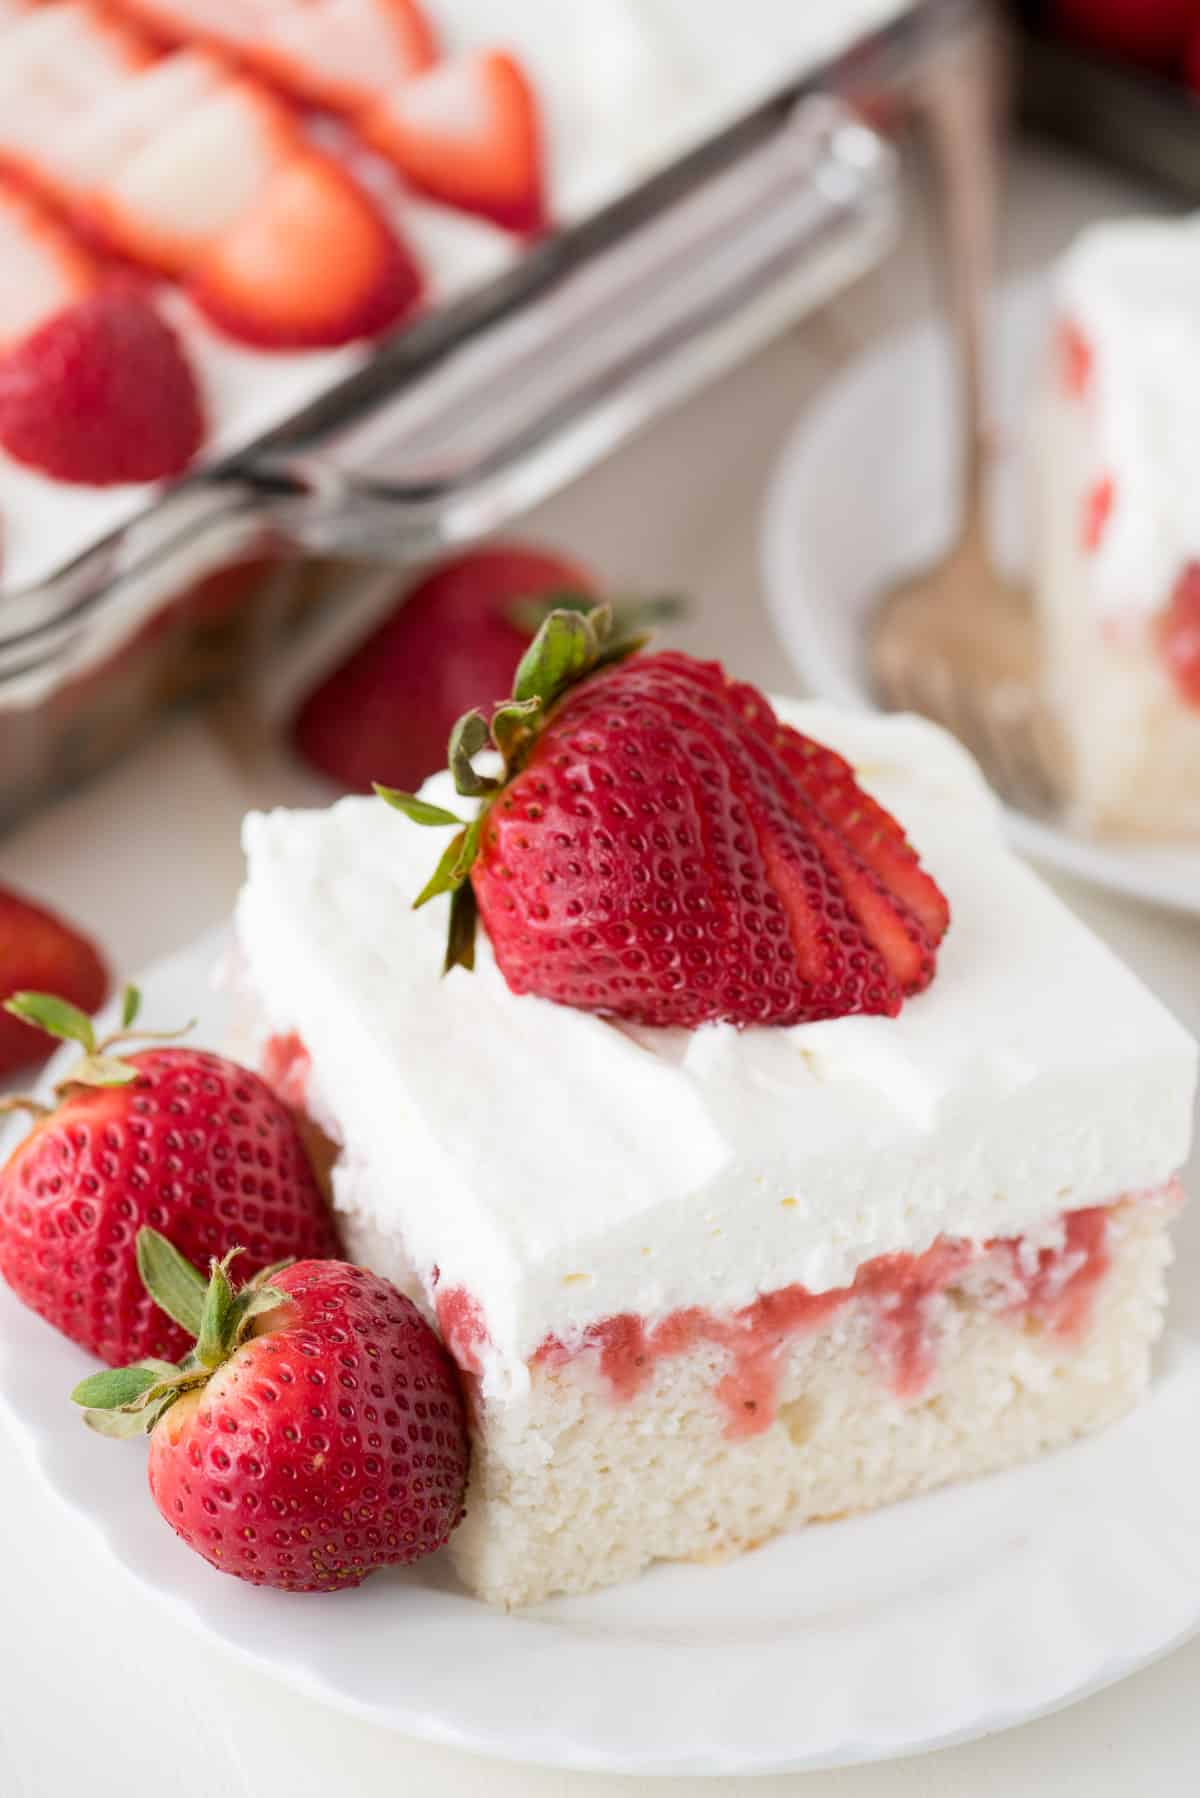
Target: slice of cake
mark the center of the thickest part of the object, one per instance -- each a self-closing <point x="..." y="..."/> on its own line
<point x="1115" y="484"/>
<point x="743" y="1191"/>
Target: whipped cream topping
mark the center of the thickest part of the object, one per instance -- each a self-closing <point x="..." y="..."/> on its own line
<point x="1129" y="294"/>
<point x="626" y="86"/>
<point x="561" y="1168"/>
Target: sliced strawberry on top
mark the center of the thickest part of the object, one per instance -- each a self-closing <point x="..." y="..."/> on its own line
<point x="42" y="268"/>
<point x="343" y="54"/>
<point x="648" y="853"/>
<point x="828" y="783"/>
<point x="183" y="190"/>
<point x="469" y="134"/>
<point x="101" y="393"/>
<point x="40" y="951"/>
<point x="1179" y="634"/>
<point x="312" y="263"/>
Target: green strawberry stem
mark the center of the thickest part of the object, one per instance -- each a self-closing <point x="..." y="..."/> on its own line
<point x="573" y="643"/>
<point x="128" y="1401"/>
<point x="97" y="1066"/>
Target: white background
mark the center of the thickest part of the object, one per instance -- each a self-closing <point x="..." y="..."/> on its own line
<point x="99" y="1691"/>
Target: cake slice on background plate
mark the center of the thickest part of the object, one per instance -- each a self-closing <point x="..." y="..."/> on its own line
<point x="1115" y="488"/>
<point x="743" y="1190"/>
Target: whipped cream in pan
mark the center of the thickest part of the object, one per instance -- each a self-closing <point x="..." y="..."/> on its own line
<point x="562" y="1169"/>
<point x="1128" y="293"/>
<point x="626" y="86"/>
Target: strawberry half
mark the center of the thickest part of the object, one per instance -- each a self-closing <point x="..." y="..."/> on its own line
<point x="40" y="950"/>
<point x="469" y="134"/>
<point x="100" y="394"/>
<point x="312" y="264"/>
<point x="661" y="849"/>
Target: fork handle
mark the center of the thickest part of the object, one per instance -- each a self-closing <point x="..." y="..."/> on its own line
<point x="958" y="96"/>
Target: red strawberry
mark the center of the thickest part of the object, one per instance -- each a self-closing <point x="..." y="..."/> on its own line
<point x="101" y="393"/>
<point x="312" y="263"/>
<point x="452" y="642"/>
<point x="39" y="950"/>
<point x="469" y="134"/>
<point x="662" y="850"/>
<point x="173" y="1137"/>
<point x="1144" y="31"/>
<point x="1179" y="634"/>
<point x="329" y="1438"/>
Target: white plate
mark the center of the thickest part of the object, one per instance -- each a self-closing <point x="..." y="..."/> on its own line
<point x="929" y="1623"/>
<point x="865" y="490"/>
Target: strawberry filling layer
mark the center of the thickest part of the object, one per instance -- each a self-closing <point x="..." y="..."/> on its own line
<point x="1054" y="1287"/>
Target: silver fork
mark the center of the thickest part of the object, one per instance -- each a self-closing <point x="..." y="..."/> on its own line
<point x="957" y="641"/>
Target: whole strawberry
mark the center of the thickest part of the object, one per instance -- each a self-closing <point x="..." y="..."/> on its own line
<point x="39" y="949"/>
<point x="660" y="848"/>
<point x="101" y="393"/>
<point x="169" y="1136"/>
<point x="315" y="1433"/>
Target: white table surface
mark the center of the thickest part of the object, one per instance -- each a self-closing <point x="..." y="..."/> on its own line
<point x="100" y="1692"/>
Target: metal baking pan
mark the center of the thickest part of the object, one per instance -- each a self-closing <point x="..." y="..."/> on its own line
<point x="467" y="418"/>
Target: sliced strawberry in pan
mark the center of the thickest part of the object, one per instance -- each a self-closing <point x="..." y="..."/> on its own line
<point x="183" y="190"/>
<point x="313" y="263"/>
<point x="468" y="133"/>
<point x="56" y="63"/>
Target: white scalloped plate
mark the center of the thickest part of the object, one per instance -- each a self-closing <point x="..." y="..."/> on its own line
<point x="935" y="1621"/>
<point x="863" y="492"/>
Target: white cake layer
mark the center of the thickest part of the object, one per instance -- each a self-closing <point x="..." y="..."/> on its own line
<point x="563" y="1169"/>
<point x="1132" y="290"/>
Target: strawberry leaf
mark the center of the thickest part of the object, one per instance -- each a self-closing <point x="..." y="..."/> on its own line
<point x="515" y="724"/>
<point x="122" y="1425"/>
<point x="252" y="1302"/>
<point x="173" y="1283"/>
<point x="445" y="877"/>
<point x="131" y="1004"/>
<point x="216" y="1323"/>
<point x="460" y="939"/>
<point x="563" y="650"/>
<point x="101" y="1070"/>
<point x="468" y="737"/>
<point x="118" y="1386"/>
<point x="418" y="810"/>
<point x="55" y="1016"/>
